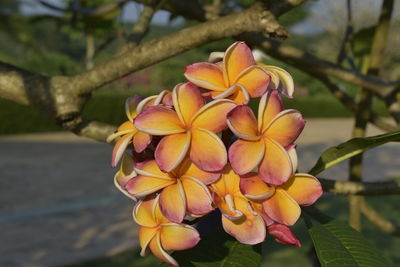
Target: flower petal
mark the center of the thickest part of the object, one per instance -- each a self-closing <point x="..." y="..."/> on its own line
<point x="236" y="59"/>
<point x="227" y="207"/>
<point x="150" y="168"/>
<point x="207" y="151"/>
<point x="147" y="102"/>
<point x="146" y="234"/>
<point x="131" y="104"/>
<point x="187" y="101"/>
<point x="158" y="120"/>
<point x="198" y="198"/>
<point x="250" y="229"/>
<point x="255" y="79"/>
<point x="244" y="155"/>
<point x="159" y="252"/>
<point x="270" y="106"/>
<point x="259" y="209"/>
<point x="141" y="141"/>
<point x="212" y="116"/>
<point x="276" y="167"/>
<point x="171" y="150"/>
<point x="285" y="127"/>
<point x="282" y="208"/>
<point x="227" y="184"/>
<point x="173" y="202"/>
<point x="206" y="75"/>
<point x="286" y="84"/>
<point x="124" y="174"/>
<point x="237" y="93"/>
<point x="119" y="149"/>
<point x="254" y="188"/>
<point x="291" y="150"/>
<point x="145" y="185"/>
<point x="178" y="236"/>
<point x="303" y="188"/>
<point x="143" y="212"/>
<point x="188" y="168"/>
<point x="243" y="123"/>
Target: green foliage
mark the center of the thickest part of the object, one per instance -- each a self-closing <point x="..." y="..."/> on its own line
<point x="351" y="148"/>
<point x="337" y="244"/>
<point x="219" y="249"/>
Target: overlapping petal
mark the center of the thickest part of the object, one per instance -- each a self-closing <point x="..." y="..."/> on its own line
<point x="159" y="120"/>
<point x="171" y="150"/>
<point x="119" y="148"/>
<point x="303" y="188"/>
<point x="143" y="212"/>
<point x="243" y="123"/>
<point x="188" y="168"/>
<point x="145" y="185"/>
<point x="255" y="79"/>
<point x="206" y="75"/>
<point x="282" y="208"/>
<point x="244" y="155"/>
<point x="270" y="105"/>
<point x="178" y="236"/>
<point x="187" y="101"/>
<point x="254" y="188"/>
<point x="198" y="198"/>
<point x="141" y="141"/>
<point x="207" y="151"/>
<point x="237" y="58"/>
<point x="173" y="202"/>
<point x="125" y="173"/>
<point x="131" y="104"/>
<point x="159" y="252"/>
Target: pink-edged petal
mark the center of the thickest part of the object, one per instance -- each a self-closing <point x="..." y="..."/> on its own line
<point x="124" y="174"/>
<point x="206" y="75"/>
<point x="254" y="188"/>
<point x="285" y="127"/>
<point x="244" y="155"/>
<point x="178" y="236"/>
<point x="159" y="252"/>
<point x="146" y="234"/>
<point x="255" y="79"/>
<point x="150" y="168"/>
<point x="243" y="123"/>
<point x="303" y="188"/>
<point x="237" y="58"/>
<point x="227" y="184"/>
<point x="198" y="198"/>
<point x="282" y="208"/>
<point x="131" y="104"/>
<point x="173" y="202"/>
<point x="250" y="229"/>
<point x="158" y="120"/>
<point x="119" y="149"/>
<point x="226" y="205"/>
<point x="276" y="167"/>
<point x="283" y="234"/>
<point x="207" y="151"/>
<point x="212" y="116"/>
<point x="145" y="185"/>
<point x="291" y="150"/>
<point x="269" y="107"/>
<point x="171" y="150"/>
<point x="141" y="141"/>
<point x="188" y="168"/>
<point x="187" y="101"/>
<point x="285" y="82"/>
<point x="147" y="102"/>
<point x="237" y="93"/>
<point x="143" y="212"/>
<point x="259" y="209"/>
<point x="164" y="98"/>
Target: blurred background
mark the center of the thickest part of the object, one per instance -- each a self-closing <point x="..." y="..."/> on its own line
<point x="58" y="204"/>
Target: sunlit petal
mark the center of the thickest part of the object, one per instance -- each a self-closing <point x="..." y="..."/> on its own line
<point x="236" y="59"/>
<point x="146" y="234"/>
<point x="159" y="252"/>
<point x="143" y="212"/>
<point x="270" y="106"/>
<point x="158" y="120"/>
<point x="243" y="123"/>
<point x="255" y="79"/>
<point x="198" y="198"/>
<point x="145" y="185"/>
<point x="173" y="202"/>
<point x="206" y="75"/>
<point x="254" y="188"/>
<point x="207" y="151"/>
<point x="244" y="155"/>
<point x="150" y="168"/>
<point x="212" y="116"/>
<point x="285" y="127"/>
<point x="303" y="188"/>
<point x="119" y="149"/>
<point x="171" y="150"/>
<point x="187" y="101"/>
<point x="282" y="208"/>
<point x="188" y="168"/>
<point x="276" y="167"/>
<point x="178" y="236"/>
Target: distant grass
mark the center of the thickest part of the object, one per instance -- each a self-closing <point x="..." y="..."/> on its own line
<point x="277" y="255"/>
<point x="108" y="107"/>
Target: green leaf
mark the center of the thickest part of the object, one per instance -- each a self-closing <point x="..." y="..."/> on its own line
<point x="337" y="244"/>
<point x="219" y="249"/>
<point x="351" y="148"/>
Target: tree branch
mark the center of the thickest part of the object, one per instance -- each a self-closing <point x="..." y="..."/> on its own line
<point x="360" y="188"/>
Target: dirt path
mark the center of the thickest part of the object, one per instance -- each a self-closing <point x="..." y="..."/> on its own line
<point x="58" y="204"/>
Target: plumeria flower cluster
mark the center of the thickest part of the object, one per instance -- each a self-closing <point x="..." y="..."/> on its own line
<point x="200" y="147"/>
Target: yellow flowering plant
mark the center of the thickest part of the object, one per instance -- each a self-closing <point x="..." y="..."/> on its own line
<point x="200" y="148"/>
